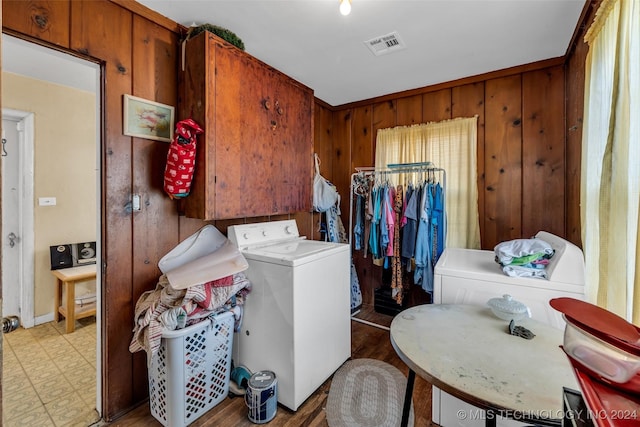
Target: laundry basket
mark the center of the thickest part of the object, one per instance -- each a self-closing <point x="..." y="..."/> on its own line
<point x="190" y="373"/>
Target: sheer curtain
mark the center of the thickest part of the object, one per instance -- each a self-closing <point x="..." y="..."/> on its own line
<point x="452" y="146"/>
<point x="610" y="181"/>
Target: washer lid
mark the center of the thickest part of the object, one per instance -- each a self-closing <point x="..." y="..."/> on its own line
<point x="294" y="251"/>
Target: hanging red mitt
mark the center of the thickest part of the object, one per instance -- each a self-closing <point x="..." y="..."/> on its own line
<point x="181" y="159"/>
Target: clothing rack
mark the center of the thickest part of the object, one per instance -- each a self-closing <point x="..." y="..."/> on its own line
<point x="420" y="168"/>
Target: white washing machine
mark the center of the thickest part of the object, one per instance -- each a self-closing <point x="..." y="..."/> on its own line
<point x="297" y="318"/>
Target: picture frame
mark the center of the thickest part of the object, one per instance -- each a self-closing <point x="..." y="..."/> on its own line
<point x="148" y="119"/>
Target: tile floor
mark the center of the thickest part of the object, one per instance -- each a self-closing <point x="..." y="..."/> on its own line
<point x="49" y="377"/>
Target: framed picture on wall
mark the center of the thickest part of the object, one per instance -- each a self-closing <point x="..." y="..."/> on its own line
<point x="148" y="119"/>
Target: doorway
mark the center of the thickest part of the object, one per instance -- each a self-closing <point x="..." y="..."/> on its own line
<point x="17" y="216"/>
<point x="52" y="118"/>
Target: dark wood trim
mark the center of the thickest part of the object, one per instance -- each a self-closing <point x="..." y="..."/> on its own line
<point x="533" y="66"/>
<point x="323" y="103"/>
<point x="155" y="17"/>
<point x="585" y="20"/>
<point x="53" y="46"/>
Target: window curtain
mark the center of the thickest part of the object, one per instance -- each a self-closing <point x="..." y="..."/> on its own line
<point x="610" y="177"/>
<point x="452" y="146"/>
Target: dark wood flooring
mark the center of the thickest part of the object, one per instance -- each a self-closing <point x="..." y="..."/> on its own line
<point x="367" y="341"/>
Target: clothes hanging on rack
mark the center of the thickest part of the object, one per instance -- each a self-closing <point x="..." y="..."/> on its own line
<point x="401" y="225"/>
<point x="430" y="236"/>
<point x="410" y="220"/>
<point x="335" y="232"/>
<point x="396" y="281"/>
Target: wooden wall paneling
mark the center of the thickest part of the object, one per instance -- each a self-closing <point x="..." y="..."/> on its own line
<point x="188" y="226"/>
<point x="503" y="154"/>
<point x="155" y="226"/>
<point x="104" y="30"/>
<point x="362" y="139"/>
<point x="574" y="88"/>
<point x="1" y="292"/>
<point x="44" y="20"/>
<point x="323" y="147"/>
<point x="543" y="152"/>
<point x="468" y="101"/>
<point x="223" y="224"/>
<point x="343" y="125"/>
<point x="383" y="116"/>
<point x="436" y="106"/>
<point x="305" y="221"/>
<point x="341" y="158"/>
<point x="362" y="142"/>
<point x="142" y="11"/>
<point x="409" y="110"/>
<point x="280" y="217"/>
<point x="323" y="141"/>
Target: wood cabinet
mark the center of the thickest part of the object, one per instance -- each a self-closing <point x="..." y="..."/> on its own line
<point x="255" y="156"/>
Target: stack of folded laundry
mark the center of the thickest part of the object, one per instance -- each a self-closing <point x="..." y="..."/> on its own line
<point x="524" y="257"/>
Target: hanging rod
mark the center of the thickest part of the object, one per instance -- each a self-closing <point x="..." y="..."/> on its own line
<point x="400" y="168"/>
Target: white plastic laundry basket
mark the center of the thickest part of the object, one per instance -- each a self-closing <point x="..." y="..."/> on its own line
<point x="190" y="373"/>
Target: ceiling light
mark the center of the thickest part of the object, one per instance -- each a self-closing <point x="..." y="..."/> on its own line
<point x="345" y="7"/>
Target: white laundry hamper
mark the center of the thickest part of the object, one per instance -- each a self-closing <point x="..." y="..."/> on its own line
<point x="190" y="373"/>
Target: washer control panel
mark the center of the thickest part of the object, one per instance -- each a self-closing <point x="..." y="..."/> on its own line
<point x="262" y="233"/>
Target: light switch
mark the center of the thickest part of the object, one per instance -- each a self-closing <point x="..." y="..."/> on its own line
<point x="135" y="199"/>
<point x="47" y="201"/>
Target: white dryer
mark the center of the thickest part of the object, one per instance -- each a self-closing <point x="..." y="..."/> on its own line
<point x="297" y="318"/>
<point x="469" y="276"/>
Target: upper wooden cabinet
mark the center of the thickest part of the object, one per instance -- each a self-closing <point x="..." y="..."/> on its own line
<point x="255" y="157"/>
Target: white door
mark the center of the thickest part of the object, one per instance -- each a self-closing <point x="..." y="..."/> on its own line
<point x="17" y="215"/>
<point x="10" y="220"/>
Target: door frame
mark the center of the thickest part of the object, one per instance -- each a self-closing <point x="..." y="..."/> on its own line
<point x="26" y="211"/>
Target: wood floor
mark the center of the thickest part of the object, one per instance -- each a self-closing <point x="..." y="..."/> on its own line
<point x="367" y="341"/>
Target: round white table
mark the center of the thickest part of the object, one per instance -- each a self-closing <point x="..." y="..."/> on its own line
<point x="468" y="352"/>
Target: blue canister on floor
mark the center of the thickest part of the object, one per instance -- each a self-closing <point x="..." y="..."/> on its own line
<point x="262" y="397"/>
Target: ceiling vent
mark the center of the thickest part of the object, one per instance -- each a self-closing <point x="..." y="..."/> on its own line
<point x="382" y="45"/>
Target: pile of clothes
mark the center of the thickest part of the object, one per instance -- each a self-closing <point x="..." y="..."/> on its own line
<point x="524" y="257"/>
<point x="167" y="308"/>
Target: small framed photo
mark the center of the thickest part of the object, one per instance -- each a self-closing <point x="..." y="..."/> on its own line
<point x="148" y="119"/>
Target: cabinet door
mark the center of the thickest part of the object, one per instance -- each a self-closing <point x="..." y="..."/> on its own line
<point x="291" y="121"/>
<point x="264" y="144"/>
<point x="255" y="156"/>
<point x="243" y="150"/>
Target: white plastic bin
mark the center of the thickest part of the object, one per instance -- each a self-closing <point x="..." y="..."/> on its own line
<point x="190" y="373"/>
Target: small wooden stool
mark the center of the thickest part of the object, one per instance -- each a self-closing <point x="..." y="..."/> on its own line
<point x="69" y="277"/>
